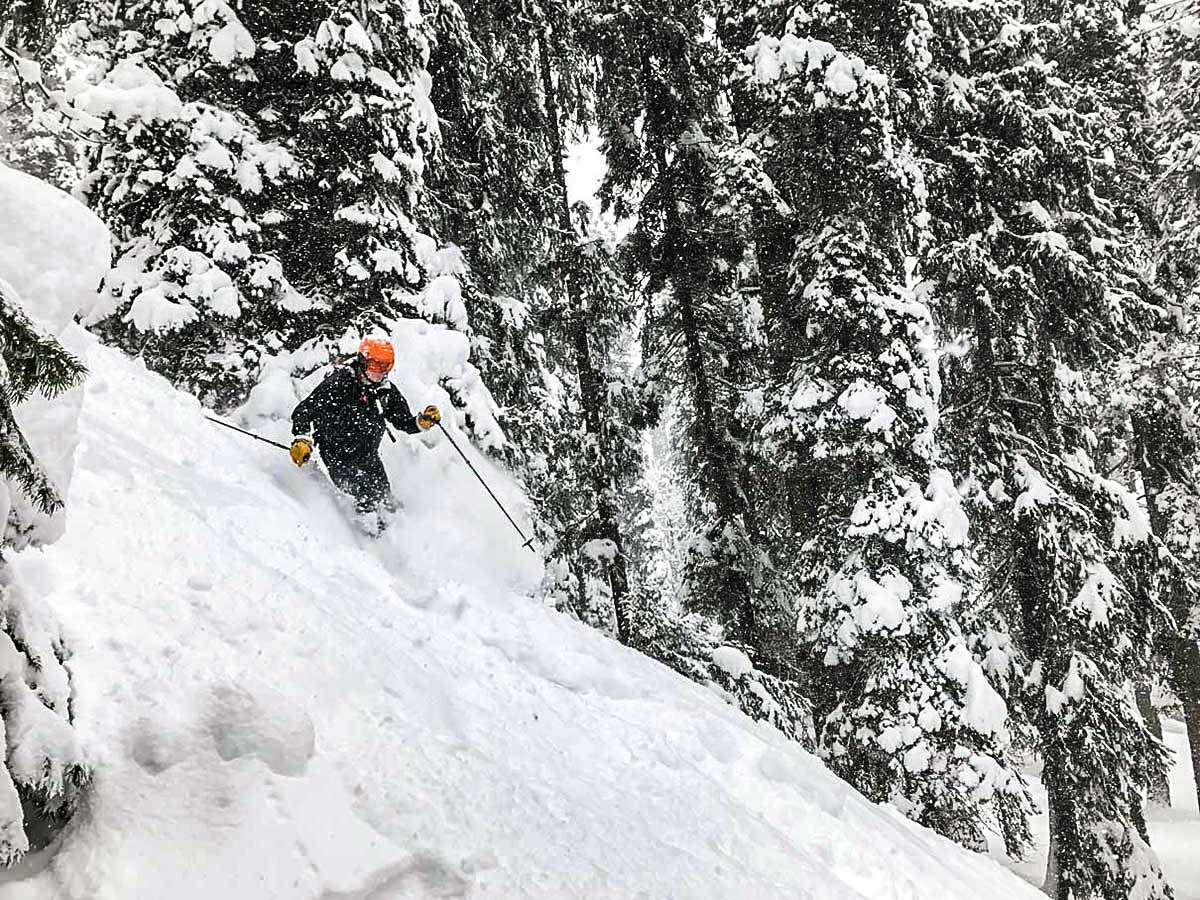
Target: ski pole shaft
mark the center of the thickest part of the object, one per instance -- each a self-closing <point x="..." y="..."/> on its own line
<point x="250" y="434"/>
<point x="528" y="542"/>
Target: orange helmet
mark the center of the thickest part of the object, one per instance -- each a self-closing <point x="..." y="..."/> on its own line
<point x="377" y="355"/>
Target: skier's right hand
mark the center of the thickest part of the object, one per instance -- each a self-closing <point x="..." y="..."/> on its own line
<point x="301" y="451"/>
<point x="428" y="417"/>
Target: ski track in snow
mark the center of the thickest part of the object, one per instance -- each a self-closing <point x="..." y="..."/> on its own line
<point x="279" y="708"/>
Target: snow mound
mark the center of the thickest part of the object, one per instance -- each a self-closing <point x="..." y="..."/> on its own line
<point x="53" y="249"/>
<point x="53" y="253"/>
<point x="278" y="707"/>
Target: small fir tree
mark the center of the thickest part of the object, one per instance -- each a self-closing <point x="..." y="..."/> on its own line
<point x="45" y="770"/>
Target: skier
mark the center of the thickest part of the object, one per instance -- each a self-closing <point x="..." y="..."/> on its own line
<point x="346" y="416"/>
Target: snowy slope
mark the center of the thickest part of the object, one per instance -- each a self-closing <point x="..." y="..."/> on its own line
<point x="278" y="709"/>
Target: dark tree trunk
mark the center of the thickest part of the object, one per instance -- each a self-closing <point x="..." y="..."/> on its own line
<point x="1158" y="792"/>
<point x="1051" y="883"/>
<point x="1157" y="451"/>
<point x="1187" y="679"/>
<point x="591" y="388"/>
<point x="1063" y="833"/>
<point x="726" y="494"/>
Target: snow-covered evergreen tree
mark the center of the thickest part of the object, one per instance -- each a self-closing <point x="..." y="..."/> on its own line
<point x="30" y="121"/>
<point x="495" y="191"/>
<point x="262" y="170"/>
<point x="591" y="323"/>
<point x="655" y="514"/>
<point x="1031" y="259"/>
<point x="1176" y="62"/>
<point x="44" y="768"/>
<point x="34" y="362"/>
<point x="607" y="417"/>
<point x="885" y="583"/>
<point x="1163" y="376"/>
<point x="490" y="188"/>
<point x="661" y="70"/>
<point x="1166" y="448"/>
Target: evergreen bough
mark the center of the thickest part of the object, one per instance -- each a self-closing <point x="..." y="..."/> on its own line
<point x="44" y="769"/>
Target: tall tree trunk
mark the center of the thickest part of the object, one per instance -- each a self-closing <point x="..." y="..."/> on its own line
<point x="679" y="257"/>
<point x="1051" y="886"/>
<point x="591" y="388"/>
<point x="1158" y="792"/>
<point x="1062" y="833"/>
<point x="1187" y="679"/>
<point x="1155" y="458"/>
<point x="727" y="490"/>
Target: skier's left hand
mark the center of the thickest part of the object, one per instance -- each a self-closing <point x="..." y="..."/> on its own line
<point x="428" y="417"/>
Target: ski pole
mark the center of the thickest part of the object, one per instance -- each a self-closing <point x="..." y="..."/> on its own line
<point x="528" y="541"/>
<point x="250" y="434"/>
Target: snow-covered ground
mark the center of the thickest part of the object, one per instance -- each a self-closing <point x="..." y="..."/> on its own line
<point x="278" y="708"/>
<point x="1174" y="832"/>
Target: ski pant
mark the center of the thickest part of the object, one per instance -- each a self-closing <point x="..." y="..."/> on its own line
<point x="363" y="478"/>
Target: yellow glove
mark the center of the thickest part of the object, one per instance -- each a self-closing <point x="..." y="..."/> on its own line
<point x="301" y="451"/>
<point x="428" y="417"/>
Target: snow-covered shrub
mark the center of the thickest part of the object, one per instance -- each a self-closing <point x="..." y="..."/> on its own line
<point x="44" y="763"/>
<point x="765" y="698"/>
<point x="45" y="767"/>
